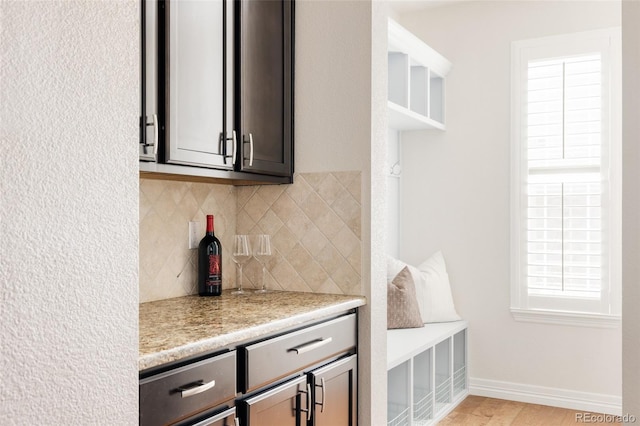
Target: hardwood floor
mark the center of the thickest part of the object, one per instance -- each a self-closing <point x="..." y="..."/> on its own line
<point x="481" y="411"/>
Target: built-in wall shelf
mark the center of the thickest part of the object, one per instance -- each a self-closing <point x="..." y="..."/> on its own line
<point x="416" y="82"/>
<point x="426" y="372"/>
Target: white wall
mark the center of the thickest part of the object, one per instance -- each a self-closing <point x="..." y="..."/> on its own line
<point x="332" y="85"/>
<point x="340" y="125"/>
<point x="69" y="254"/>
<point x="456" y="189"/>
<point x="393" y="173"/>
<point x="631" y="208"/>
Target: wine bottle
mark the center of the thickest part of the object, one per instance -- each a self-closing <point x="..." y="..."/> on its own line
<point x="209" y="263"/>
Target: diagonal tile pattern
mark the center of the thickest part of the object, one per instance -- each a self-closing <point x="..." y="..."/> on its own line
<point x="167" y="265"/>
<point x="314" y="224"/>
<point x="315" y="228"/>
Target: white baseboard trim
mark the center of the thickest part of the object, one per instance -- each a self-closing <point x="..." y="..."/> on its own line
<point x="555" y="397"/>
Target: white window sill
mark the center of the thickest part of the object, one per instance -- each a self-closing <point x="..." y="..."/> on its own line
<point x="566" y="318"/>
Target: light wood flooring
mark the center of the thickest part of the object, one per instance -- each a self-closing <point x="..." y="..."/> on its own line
<point x="481" y="411"/>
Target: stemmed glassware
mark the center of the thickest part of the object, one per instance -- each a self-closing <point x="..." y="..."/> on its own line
<point x="262" y="252"/>
<point x="241" y="252"/>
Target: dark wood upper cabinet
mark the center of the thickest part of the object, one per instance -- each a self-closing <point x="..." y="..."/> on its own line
<point x="264" y="32"/>
<point x="217" y="90"/>
<point x="149" y="123"/>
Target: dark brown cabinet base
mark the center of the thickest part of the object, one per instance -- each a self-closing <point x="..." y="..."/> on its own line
<point x="335" y="390"/>
<point x="307" y="377"/>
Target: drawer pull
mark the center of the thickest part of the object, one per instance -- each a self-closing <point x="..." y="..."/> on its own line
<point x="311" y="345"/>
<point x="198" y="387"/>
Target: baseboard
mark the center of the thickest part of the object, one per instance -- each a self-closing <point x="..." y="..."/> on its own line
<point x="564" y="398"/>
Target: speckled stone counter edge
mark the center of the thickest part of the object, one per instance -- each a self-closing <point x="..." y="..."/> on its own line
<point x="255" y="331"/>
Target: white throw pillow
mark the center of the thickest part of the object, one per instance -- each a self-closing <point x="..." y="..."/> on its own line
<point x="439" y="305"/>
<point x="433" y="290"/>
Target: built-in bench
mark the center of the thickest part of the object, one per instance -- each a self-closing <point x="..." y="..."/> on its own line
<point x="427" y="372"/>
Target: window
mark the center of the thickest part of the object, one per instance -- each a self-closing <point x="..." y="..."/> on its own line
<point x="566" y="178"/>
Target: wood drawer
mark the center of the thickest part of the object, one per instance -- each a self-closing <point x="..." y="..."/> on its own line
<point x="281" y="356"/>
<point x="174" y="395"/>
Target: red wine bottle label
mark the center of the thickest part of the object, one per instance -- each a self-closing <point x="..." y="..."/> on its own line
<point x="214" y="270"/>
<point x="214" y="264"/>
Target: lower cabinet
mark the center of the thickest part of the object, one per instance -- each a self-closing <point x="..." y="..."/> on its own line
<point x="304" y="378"/>
<point x="226" y="418"/>
<point x="427" y="373"/>
<point x="334" y="393"/>
<point x="284" y="405"/>
<point x="200" y="393"/>
<point x="326" y="396"/>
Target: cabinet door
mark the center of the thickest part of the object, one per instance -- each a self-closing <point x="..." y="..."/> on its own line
<point x="264" y="91"/>
<point x="197" y="75"/>
<point x="335" y="393"/>
<point x="285" y="405"/>
<point x="149" y="80"/>
<point x="226" y="418"/>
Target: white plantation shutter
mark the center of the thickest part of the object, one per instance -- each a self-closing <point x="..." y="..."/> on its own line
<point x="563" y="138"/>
<point x="564" y="145"/>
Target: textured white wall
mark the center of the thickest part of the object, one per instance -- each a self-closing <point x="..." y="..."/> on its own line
<point x="377" y="207"/>
<point x="340" y="86"/>
<point x="69" y="259"/>
<point x="393" y="191"/>
<point x="631" y="208"/>
<point x="333" y="88"/>
<point x="456" y="191"/>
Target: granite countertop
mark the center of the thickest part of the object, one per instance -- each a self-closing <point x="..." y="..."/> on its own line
<point x="175" y="329"/>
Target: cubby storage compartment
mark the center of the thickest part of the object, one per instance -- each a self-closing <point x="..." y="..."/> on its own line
<point x="398" y="87"/>
<point x="398" y="398"/>
<point x="416" y="76"/>
<point x="426" y="372"/>
<point x="459" y="363"/>
<point x="443" y="374"/>
<point x="422" y="387"/>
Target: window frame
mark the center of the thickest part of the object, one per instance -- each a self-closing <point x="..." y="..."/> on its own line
<point x="559" y="309"/>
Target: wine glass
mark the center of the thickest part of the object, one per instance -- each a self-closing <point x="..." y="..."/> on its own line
<point x="241" y="252"/>
<point x="262" y="252"/>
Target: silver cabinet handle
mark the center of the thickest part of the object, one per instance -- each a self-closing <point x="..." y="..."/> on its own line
<point x="234" y="141"/>
<point x="236" y="421"/>
<point x="323" y="386"/>
<point x="144" y="143"/>
<point x="308" y="409"/>
<point x="199" y="388"/>
<point x="250" y="149"/>
<point x="235" y="147"/>
<point x="311" y="345"/>
<point x="308" y="402"/>
<point x="155" y="139"/>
